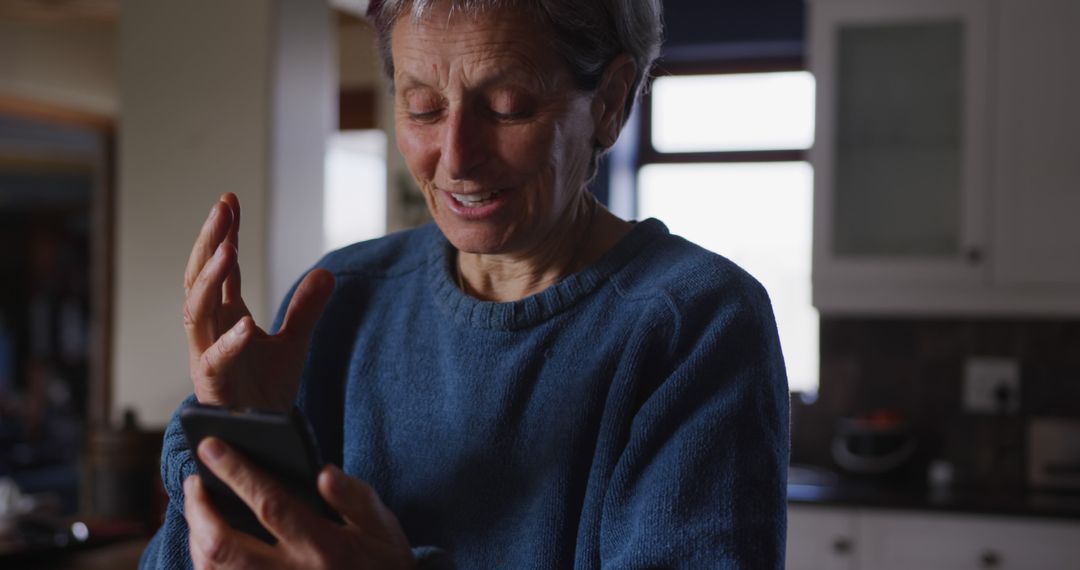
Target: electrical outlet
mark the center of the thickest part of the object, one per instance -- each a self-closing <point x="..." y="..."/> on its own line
<point x="992" y="385"/>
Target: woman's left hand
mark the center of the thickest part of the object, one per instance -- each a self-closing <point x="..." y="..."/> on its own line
<point x="370" y="538"/>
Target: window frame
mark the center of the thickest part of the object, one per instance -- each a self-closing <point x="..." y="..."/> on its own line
<point x="647" y="153"/>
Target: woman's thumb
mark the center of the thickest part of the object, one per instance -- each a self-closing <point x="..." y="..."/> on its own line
<point x="308" y="303"/>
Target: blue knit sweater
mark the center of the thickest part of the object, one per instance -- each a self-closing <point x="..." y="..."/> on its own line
<point x="635" y="415"/>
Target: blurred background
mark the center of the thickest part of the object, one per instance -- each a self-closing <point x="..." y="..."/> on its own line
<point x="902" y="176"/>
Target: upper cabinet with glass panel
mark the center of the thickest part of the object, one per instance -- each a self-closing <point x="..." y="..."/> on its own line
<point x="900" y="157"/>
<point x="945" y="182"/>
<point x="899" y="139"/>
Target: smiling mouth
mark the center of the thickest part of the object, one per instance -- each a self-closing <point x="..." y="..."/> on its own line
<point x="475" y="200"/>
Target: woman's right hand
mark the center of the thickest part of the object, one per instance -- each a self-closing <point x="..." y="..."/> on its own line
<point x="233" y="362"/>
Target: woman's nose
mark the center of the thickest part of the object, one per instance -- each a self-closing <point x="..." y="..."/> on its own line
<point x="463" y="148"/>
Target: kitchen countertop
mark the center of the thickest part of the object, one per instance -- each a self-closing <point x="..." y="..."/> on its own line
<point x="812" y="486"/>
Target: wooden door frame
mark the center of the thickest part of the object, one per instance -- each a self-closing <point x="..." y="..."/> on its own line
<point x="102" y="241"/>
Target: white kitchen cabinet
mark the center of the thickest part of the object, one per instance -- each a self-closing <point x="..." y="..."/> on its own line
<point x="906" y="540"/>
<point x="945" y="176"/>
<point x="1038" y="145"/>
<point x="903" y="541"/>
<point x="821" y="538"/>
<point x="900" y="152"/>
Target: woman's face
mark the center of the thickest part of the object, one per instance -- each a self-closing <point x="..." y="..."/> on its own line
<point x="491" y="126"/>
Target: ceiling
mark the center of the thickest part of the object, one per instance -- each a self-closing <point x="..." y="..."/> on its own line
<point x="348" y="11"/>
<point x="60" y="10"/>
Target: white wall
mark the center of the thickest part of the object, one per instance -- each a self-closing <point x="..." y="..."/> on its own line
<point x="64" y="63"/>
<point x="217" y="96"/>
<point x="304" y="112"/>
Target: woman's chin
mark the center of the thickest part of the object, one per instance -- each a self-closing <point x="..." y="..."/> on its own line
<point x="474" y="238"/>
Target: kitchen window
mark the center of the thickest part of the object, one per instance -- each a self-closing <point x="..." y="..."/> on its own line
<point x="722" y="162"/>
<point x="354" y="202"/>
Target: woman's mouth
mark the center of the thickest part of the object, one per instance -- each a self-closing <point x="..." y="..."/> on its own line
<point x="475" y="200"/>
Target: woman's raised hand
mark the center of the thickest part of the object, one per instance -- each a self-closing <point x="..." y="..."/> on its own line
<point x="232" y="361"/>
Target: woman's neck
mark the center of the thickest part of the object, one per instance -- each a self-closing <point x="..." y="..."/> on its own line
<point x="592" y="231"/>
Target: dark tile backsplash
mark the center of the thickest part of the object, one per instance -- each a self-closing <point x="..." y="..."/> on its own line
<point x="915" y="368"/>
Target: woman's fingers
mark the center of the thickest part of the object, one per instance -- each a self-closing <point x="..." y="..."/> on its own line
<point x="207" y="531"/>
<point x="231" y="291"/>
<point x="353" y="499"/>
<point x="373" y="525"/>
<point x="215" y="361"/>
<point x="214" y="231"/>
<point x="204" y="300"/>
<point x="307" y="305"/>
<point x="233" y="203"/>
<point x="213" y="544"/>
<point x="284" y="516"/>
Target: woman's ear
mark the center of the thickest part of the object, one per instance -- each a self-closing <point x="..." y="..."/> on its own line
<point x="609" y="103"/>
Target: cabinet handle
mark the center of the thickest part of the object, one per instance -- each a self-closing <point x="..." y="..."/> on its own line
<point x="842" y="545"/>
<point x="990" y="559"/>
<point x="974" y="255"/>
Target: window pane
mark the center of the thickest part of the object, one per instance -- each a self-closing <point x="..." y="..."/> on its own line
<point x="746" y="111"/>
<point x="759" y="216"/>
<point x="899" y="139"/>
<point x="354" y="206"/>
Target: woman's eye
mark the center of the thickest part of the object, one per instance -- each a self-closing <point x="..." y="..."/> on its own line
<point x="425" y="115"/>
<point x="422" y="106"/>
<point x="509" y="107"/>
<point x="513" y="115"/>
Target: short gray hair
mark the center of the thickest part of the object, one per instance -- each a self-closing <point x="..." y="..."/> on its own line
<point x="588" y="34"/>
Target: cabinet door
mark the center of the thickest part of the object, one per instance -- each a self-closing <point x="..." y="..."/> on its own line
<point x="820" y="539"/>
<point x="1038" y="164"/>
<point x="900" y="151"/>
<point x="902" y="541"/>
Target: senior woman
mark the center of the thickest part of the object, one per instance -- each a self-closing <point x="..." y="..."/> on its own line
<point x="531" y="382"/>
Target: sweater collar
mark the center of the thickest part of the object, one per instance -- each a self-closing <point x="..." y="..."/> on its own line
<point x="538" y="308"/>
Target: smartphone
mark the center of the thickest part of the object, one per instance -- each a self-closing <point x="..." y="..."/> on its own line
<point x="282" y="445"/>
